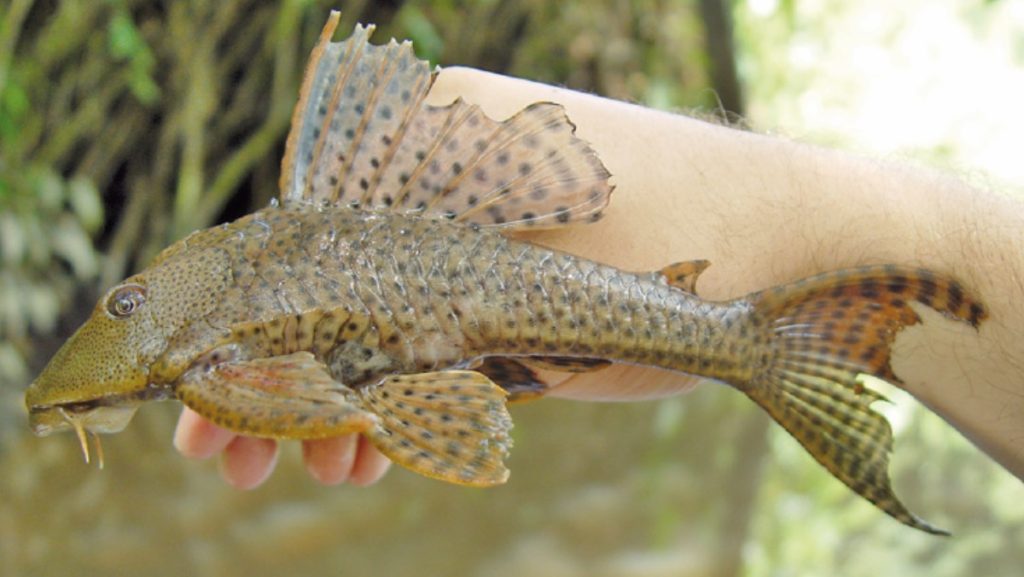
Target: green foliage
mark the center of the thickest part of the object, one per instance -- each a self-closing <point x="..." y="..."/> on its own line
<point x="648" y="51"/>
<point x="426" y="40"/>
<point x="13" y="107"/>
<point x="127" y="45"/>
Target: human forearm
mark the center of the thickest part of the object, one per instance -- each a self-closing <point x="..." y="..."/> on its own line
<point x="765" y="211"/>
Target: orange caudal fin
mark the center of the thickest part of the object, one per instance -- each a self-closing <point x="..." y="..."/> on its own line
<point x="818" y="337"/>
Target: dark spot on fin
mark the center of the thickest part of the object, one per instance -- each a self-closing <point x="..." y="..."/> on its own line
<point x="683" y="275"/>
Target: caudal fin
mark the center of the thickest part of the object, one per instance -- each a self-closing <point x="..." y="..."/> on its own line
<point x="823" y="334"/>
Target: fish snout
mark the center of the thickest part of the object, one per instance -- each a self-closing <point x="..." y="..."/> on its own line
<point x="86" y="383"/>
<point x="43" y="416"/>
<point x="46" y="420"/>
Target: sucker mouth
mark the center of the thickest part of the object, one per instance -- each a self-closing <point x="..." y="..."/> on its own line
<point x="94" y="416"/>
<point x="152" y="392"/>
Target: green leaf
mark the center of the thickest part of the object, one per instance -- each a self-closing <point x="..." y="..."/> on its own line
<point x="123" y="37"/>
<point x="425" y="39"/>
<point x="15" y="99"/>
<point x="141" y="80"/>
<point x="14" y="103"/>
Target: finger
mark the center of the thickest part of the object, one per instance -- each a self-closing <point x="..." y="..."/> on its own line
<point x="370" y="464"/>
<point x="197" y="438"/>
<point x="330" y="461"/>
<point x="248" y="461"/>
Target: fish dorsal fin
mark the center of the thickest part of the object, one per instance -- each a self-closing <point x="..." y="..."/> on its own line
<point x="362" y="136"/>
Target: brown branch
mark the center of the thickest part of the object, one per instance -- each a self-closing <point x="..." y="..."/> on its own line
<point x="718" y="38"/>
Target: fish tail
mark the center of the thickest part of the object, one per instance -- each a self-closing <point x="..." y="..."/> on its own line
<point x="817" y="338"/>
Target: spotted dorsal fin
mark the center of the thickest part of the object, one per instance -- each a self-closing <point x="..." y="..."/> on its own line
<point x="362" y="136"/>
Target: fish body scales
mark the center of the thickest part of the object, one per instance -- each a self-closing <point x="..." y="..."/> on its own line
<point x="420" y="294"/>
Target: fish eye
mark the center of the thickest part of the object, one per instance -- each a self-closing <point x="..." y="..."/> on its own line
<point x="126" y="300"/>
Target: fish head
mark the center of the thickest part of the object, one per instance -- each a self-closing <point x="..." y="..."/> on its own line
<point x="118" y="358"/>
<point x="101" y="374"/>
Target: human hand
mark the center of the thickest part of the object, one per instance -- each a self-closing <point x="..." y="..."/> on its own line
<point x="247" y="462"/>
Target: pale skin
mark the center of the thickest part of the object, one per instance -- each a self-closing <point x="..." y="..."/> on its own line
<point x="764" y="211"/>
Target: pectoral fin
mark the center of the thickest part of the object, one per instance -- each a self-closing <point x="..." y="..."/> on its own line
<point x="449" y="425"/>
<point x="286" y="397"/>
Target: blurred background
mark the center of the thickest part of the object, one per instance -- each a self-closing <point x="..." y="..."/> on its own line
<point x="125" y="124"/>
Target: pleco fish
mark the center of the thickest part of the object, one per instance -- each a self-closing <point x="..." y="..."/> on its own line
<point x="381" y="296"/>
